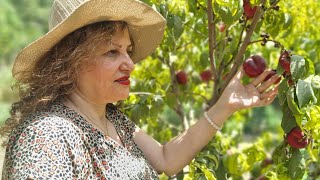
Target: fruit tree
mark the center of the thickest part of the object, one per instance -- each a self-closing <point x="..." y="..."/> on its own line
<point x="205" y="43"/>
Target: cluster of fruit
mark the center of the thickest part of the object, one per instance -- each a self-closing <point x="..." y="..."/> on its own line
<point x="254" y="66"/>
<point x="182" y="77"/>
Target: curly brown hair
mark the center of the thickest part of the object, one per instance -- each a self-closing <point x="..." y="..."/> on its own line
<point x="55" y="75"/>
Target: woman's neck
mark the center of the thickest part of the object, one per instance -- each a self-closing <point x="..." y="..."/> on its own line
<point x="80" y="102"/>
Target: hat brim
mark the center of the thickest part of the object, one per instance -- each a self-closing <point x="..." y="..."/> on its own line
<point x="146" y="28"/>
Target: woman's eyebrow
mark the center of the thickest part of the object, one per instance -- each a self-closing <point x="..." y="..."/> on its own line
<point x="120" y="46"/>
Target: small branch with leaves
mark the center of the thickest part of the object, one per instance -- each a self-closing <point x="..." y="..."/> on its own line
<point x="239" y="57"/>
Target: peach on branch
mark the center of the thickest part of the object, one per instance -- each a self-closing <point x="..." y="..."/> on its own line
<point x="249" y="11"/>
<point x="206" y="75"/>
<point x="297" y="139"/>
<point x="254" y="66"/>
<point x="182" y="77"/>
<point x="284" y="60"/>
<point x="222" y="27"/>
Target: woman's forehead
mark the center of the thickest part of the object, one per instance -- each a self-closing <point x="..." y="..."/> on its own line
<point x="120" y="38"/>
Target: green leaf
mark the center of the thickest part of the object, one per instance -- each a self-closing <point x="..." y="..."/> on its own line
<point x="315" y="82"/>
<point x="297" y="67"/>
<point x="274" y="31"/>
<point x="291" y="102"/>
<point x="163" y="9"/>
<point x="288" y="120"/>
<point x="304" y="93"/>
<point x="226" y="16"/>
<point x="296" y="165"/>
<point x="213" y="159"/>
<point x="208" y="174"/>
<point x="279" y="154"/>
<point x="283" y="88"/>
<point x="222" y="2"/>
<point x="313" y="118"/>
<point x="274" y="21"/>
<point x="178" y="27"/>
<point x="309" y="67"/>
<point x="258" y="27"/>
<point x="287" y="21"/>
<point x="221" y="172"/>
<point x="238" y="11"/>
<point x="204" y="60"/>
<point x="170" y="21"/>
<point x="139" y="112"/>
<point x="170" y="99"/>
<point x="254" y="154"/>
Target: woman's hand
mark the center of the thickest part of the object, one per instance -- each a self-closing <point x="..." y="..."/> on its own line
<point x="237" y="96"/>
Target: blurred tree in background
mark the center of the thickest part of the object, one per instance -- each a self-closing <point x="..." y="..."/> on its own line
<point x="21" y="22"/>
<point x="163" y="109"/>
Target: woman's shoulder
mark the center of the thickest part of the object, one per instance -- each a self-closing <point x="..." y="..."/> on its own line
<point x="43" y="135"/>
<point x="46" y="118"/>
<point x="44" y="123"/>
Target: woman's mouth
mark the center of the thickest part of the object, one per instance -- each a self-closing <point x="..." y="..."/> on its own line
<point x="124" y="80"/>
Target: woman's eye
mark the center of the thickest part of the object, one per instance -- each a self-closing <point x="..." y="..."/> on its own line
<point x="111" y="53"/>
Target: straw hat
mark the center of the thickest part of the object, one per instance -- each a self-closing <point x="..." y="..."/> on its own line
<point x="146" y="27"/>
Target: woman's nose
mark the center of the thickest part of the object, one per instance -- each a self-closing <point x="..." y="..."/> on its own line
<point x="128" y="64"/>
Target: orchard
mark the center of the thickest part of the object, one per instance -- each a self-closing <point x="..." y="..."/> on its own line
<point x="205" y="44"/>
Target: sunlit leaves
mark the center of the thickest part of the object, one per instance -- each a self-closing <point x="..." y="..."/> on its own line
<point x="240" y="162"/>
<point x="274" y="21"/>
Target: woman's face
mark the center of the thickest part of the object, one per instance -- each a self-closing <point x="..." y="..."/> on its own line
<point x="106" y="80"/>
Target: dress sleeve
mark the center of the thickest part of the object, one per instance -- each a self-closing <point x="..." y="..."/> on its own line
<point x="42" y="150"/>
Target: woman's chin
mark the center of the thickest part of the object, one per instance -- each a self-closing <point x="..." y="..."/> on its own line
<point x="121" y="98"/>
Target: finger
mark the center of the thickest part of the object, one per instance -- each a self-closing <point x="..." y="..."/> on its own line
<point x="271" y="98"/>
<point x="267" y="84"/>
<point x="272" y="92"/>
<point x="261" y="77"/>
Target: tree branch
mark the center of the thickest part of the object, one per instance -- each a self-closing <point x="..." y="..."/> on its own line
<point x="212" y="37"/>
<point x="175" y="90"/>
<point x="267" y="40"/>
<point x="239" y="57"/>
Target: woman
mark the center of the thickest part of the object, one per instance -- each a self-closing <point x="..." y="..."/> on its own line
<point x="65" y="126"/>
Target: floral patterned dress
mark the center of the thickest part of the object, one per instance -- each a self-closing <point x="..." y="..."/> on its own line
<point x="58" y="143"/>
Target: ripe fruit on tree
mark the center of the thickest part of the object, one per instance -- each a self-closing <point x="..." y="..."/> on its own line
<point x="206" y="75"/>
<point x="248" y="10"/>
<point x="182" y="77"/>
<point x="272" y="73"/>
<point x="254" y="66"/>
<point x="284" y="60"/>
<point x="222" y="27"/>
<point x="297" y="139"/>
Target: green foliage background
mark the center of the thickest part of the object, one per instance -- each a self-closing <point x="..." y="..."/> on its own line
<point x="153" y="103"/>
